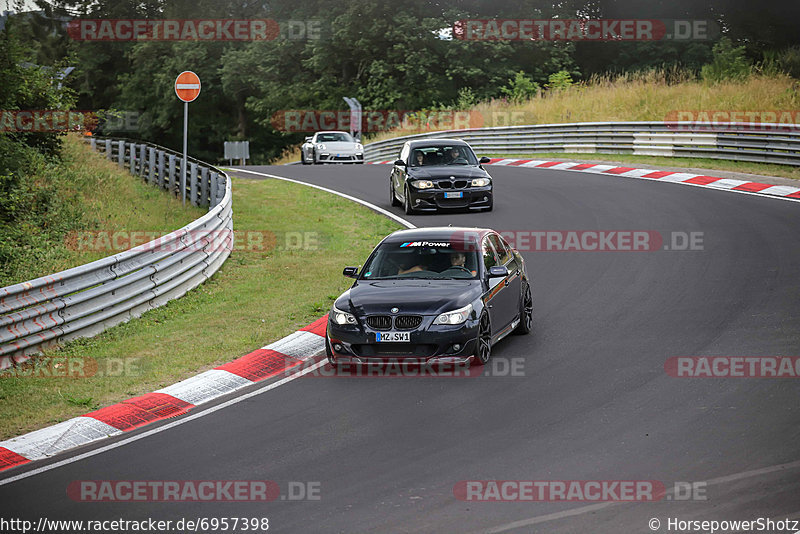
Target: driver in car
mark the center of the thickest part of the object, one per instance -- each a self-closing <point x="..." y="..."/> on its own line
<point x="457" y="259"/>
<point x="454" y="156"/>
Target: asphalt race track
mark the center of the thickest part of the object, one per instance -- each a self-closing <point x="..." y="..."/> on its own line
<point x="593" y="401"/>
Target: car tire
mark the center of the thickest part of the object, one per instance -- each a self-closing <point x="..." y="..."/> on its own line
<point x="314" y="157"/>
<point x="525" y="311"/>
<point x="392" y="196"/>
<point x="483" y="343"/>
<point x="407" y="202"/>
<point x="303" y="159"/>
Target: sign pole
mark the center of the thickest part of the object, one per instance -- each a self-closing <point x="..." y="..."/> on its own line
<point x="187" y="87"/>
<point x="185" y="134"/>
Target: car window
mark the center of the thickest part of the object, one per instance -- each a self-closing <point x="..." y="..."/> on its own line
<point x="449" y="259"/>
<point x="440" y="155"/>
<point x="513" y="264"/>
<point x="334" y="137"/>
<point x="489" y="255"/>
<point x="503" y="253"/>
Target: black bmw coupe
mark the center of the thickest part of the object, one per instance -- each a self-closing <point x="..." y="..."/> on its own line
<point x="438" y="174"/>
<point x="431" y="295"/>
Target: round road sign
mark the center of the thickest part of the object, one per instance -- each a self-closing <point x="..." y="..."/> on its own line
<point x="187" y="86"/>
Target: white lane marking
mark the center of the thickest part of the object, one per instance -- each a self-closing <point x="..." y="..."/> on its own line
<point x="593" y="507"/>
<point x="206" y="386"/>
<point x="54" y="439"/>
<point x="177" y="422"/>
<point x="299" y="345"/>
<point x="343" y="195"/>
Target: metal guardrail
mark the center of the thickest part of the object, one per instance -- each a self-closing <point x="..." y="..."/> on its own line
<point x="770" y="143"/>
<point x="85" y="300"/>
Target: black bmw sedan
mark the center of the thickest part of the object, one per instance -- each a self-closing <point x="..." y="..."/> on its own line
<point x="440" y="174"/>
<point x="431" y="295"/>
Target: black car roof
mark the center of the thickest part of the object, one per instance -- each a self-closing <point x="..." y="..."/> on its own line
<point x="439" y="233"/>
<point x="437" y="142"/>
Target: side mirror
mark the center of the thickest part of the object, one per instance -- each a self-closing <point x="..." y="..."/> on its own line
<point x="484" y="159"/>
<point x="350" y="272"/>
<point x="498" y="271"/>
<point x="400" y="163"/>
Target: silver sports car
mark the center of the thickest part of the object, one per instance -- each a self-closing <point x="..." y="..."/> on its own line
<point x="331" y="147"/>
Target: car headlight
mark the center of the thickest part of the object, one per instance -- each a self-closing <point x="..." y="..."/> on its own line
<point x="320" y="146"/>
<point x="359" y="147"/>
<point x="480" y="182"/>
<point x="340" y="317"/>
<point x="422" y="184"/>
<point x="454" y="317"/>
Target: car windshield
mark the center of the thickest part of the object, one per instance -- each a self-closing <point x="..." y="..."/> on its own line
<point x="334" y="137"/>
<point x="442" y="155"/>
<point x="439" y="260"/>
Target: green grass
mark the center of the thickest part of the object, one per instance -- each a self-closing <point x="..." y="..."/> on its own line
<point x="764" y="169"/>
<point x="257" y="297"/>
<point x="84" y="192"/>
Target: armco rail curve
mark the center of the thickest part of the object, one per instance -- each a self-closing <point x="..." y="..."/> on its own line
<point x="764" y="143"/>
<point x="85" y="300"/>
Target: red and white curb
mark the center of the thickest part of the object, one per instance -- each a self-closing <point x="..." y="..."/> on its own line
<point x="302" y="346"/>
<point x="650" y="174"/>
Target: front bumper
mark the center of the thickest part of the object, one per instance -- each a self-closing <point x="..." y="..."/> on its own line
<point x="340" y="157"/>
<point x="435" y="199"/>
<point x="429" y="343"/>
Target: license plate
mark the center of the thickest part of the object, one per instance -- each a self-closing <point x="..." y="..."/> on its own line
<point x="458" y="194"/>
<point x="392" y="337"/>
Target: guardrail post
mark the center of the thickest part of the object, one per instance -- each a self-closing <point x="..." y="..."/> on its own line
<point x="193" y="184"/>
<point x="162" y="176"/>
<point x="108" y="148"/>
<point x="220" y="189"/>
<point x="132" y="157"/>
<point x="204" y="181"/>
<point x="152" y="165"/>
<point x="171" y="186"/>
<point x="121" y="153"/>
<point x="93" y="143"/>
<point x="142" y="149"/>
<point x="213" y="192"/>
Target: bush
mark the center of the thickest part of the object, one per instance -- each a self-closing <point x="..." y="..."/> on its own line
<point x="559" y="80"/>
<point x="728" y="63"/>
<point x="521" y="88"/>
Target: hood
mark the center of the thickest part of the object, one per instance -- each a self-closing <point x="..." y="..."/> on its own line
<point x="339" y="145"/>
<point x="459" y="171"/>
<point x="421" y="297"/>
